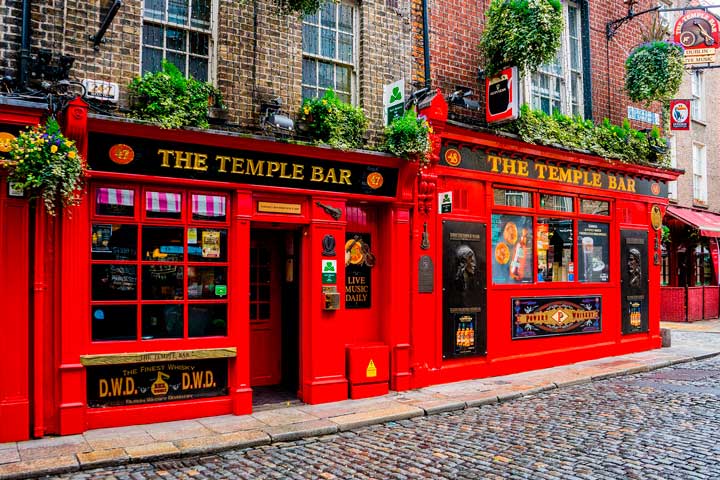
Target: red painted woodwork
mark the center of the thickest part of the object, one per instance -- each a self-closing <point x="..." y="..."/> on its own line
<point x="672" y="304"/>
<point x="265" y="304"/>
<point x="368" y="370"/>
<point x="694" y="304"/>
<point x="711" y="307"/>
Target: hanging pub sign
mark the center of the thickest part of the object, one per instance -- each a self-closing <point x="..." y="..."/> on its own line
<point x="501" y="95"/>
<point x="679" y="114"/>
<point x="697" y="32"/>
<point x="358" y="263"/>
<point x="543" y="317"/>
<point x="137" y="383"/>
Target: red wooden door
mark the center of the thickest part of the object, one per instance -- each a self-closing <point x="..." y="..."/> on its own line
<point x="265" y="304"/>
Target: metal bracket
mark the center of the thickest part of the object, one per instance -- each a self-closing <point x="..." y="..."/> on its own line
<point x="97" y="39"/>
<point x="612" y="27"/>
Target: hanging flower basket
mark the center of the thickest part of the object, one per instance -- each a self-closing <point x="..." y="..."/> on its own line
<point x="522" y="33"/>
<point x="654" y="71"/>
<point x="47" y="165"/>
<point x="408" y="137"/>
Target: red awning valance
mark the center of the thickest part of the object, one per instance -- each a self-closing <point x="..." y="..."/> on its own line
<point x="707" y="222"/>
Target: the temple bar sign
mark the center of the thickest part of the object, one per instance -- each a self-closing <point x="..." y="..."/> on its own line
<point x="538" y="169"/>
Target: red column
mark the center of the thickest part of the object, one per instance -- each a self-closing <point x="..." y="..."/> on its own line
<point x="14" y="341"/>
<point x="322" y="349"/>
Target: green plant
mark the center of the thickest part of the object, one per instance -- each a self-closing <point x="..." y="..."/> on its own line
<point x="409" y="137"/>
<point x="171" y="100"/>
<point x="607" y="140"/>
<point x="47" y="165"/>
<point x="332" y="121"/>
<point x="522" y="33"/>
<point x="302" y="7"/>
<point x="654" y="71"/>
<point x="666" y="239"/>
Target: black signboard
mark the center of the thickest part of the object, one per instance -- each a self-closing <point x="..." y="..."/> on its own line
<point x="541" y="169"/>
<point x="359" y="261"/>
<point x="464" y="289"/>
<point x="634" y="275"/>
<point x="136" y="383"/>
<point x="111" y="153"/>
<point x="551" y="316"/>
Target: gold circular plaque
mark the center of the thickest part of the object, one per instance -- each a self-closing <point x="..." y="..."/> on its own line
<point x="655" y="217"/>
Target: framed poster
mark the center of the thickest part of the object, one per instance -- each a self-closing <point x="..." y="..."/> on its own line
<point x="464" y="289"/>
<point x="512" y="249"/>
<point x="358" y="265"/>
<point x="634" y="274"/>
<point x="553" y="316"/>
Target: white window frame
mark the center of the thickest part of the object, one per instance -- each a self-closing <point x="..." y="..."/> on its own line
<point x="565" y="75"/>
<point x="697" y="110"/>
<point x="672" y="186"/>
<point x="212" y="31"/>
<point x="699" y="174"/>
<point x="336" y="61"/>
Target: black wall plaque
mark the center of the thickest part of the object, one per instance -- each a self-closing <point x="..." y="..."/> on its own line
<point x="131" y="384"/>
<point x="464" y="289"/>
<point x="634" y="274"/>
<point x="110" y="153"/>
<point x="426" y="274"/>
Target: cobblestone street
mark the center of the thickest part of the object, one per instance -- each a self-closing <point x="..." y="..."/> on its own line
<point x="655" y="425"/>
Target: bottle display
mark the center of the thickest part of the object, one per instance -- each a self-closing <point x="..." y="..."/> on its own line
<point x="519" y="261"/>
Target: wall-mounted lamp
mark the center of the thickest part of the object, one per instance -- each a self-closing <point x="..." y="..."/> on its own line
<point x="460" y="97"/>
<point x="272" y="119"/>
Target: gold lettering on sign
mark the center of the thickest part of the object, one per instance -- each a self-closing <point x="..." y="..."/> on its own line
<point x="181" y="159"/>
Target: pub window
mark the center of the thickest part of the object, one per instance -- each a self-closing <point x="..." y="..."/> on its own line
<point x="555" y="250"/>
<point x="162" y="280"/>
<point x="594" y="207"/>
<point x="512" y="198"/>
<point x="703" y="266"/>
<point x="115" y="202"/>
<point x="531" y="246"/>
<point x="329" y="51"/>
<point x="665" y="267"/>
<point x="179" y="31"/>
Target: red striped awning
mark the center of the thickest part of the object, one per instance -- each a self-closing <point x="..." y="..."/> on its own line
<point x="162" y="202"/>
<point x="707" y="222"/>
<point x="208" y="205"/>
<point x="116" y="196"/>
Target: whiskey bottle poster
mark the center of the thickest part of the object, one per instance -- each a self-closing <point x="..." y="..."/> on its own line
<point x="464" y="289"/>
<point x="634" y="276"/>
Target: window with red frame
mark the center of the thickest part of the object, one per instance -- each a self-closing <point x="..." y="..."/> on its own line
<point x="159" y="264"/>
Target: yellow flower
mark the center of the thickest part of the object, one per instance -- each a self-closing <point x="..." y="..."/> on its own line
<point x="53" y="149"/>
<point x="324" y="102"/>
<point x="71" y="154"/>
<point x="306" y="110"/>
<point x="68" y="144"/>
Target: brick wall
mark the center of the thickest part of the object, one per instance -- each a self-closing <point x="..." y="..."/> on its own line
<point x="259" y="53"/>
<point x="455" y="31"/>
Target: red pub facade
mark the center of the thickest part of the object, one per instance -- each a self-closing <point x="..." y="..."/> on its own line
<point x="201" y="264"/>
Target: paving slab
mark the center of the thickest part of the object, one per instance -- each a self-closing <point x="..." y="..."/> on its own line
<point x="100" y="458"/>
<point x="392" y="414"/>
<point x="152" y="451"/>
<point x="40" y="466"/>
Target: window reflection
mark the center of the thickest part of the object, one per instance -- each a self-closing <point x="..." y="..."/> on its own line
<point x="555" y="250"/>
<point x="162" y="321"/>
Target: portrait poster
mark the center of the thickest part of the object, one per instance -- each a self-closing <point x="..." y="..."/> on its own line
<point x="593" y="252"/>
<point x="210" y="244"/>
<point x="464" y="292"/>
<point x="512" y="249"/>
<point x="634" y="275"/>
<point x="359" y="261"/>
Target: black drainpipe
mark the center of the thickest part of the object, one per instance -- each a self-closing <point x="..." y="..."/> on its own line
<point x="24" y="64"/>
<point x="426" y="42"/>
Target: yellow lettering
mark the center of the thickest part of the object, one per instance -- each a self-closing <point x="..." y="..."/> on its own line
<point x="272" y="167"/>
<point x="345" y="176"/>
<point x="183" y="159"/>
<point x="222" y="160"/>
<point x="104" y="389"/>
<point x="565" y="175"/>
<point x="523" y="168"/>
<point x="553" y="173"/>
<point x="165" y="157"/>
<point x="597" y="180"/>
<point x="577" y="176"/>
<point x="254" y="168"/>
<point x="612" y="182"/>
<point x="200" y="159"/>
<point x="630" y="185"/>
<point x="238" y="164"/>
<point x="283" y="174"/>
<point x="209" y="379"/>
<point x="540" y="169"/>
<point x="331" y="176"/>
<point x="508" y="166"/>
<point x="494" y="160"/>
<point x="298" y="171"/>
<point x="115" y="387"/>
<point x="317" y="174"/>
<point x="185" y="380"/>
